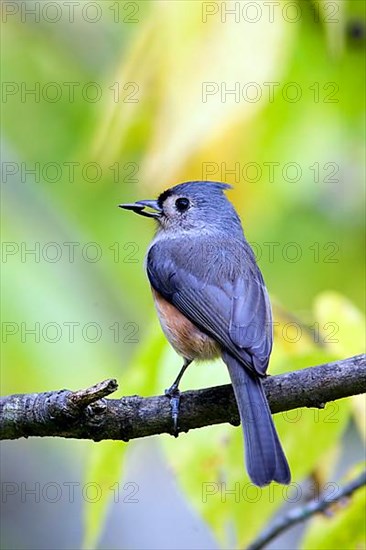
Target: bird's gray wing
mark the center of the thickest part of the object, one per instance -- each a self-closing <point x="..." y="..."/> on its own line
<point x="225" y="298"/>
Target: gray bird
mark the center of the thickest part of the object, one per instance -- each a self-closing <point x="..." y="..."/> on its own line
<point x="212" y="301"/>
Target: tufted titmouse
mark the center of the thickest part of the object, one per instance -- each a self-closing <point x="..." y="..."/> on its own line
<point x="212" y="301"/>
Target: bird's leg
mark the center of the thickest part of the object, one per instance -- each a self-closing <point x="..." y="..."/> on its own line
<point x="174" y="387"/>
<point x="174" y="394"/>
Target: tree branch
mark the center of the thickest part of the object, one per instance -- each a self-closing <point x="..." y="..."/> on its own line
<point x="301" y="513"/>
<point x="86" y="414"/>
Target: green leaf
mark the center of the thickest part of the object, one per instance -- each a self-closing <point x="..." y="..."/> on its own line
<point x="105" y="459"/>
<point x="332" y="16"/>
<point x="307" y="436"/>
<point x="103" y="474"/>
<point x="142" y="374"/>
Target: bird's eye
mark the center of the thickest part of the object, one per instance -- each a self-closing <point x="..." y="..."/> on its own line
<point x="182" y="204"/>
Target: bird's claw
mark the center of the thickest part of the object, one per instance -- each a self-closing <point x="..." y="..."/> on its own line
<point x="174" y="395"/>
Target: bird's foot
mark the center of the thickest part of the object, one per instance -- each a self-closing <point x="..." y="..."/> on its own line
<point x="174" y="395"/>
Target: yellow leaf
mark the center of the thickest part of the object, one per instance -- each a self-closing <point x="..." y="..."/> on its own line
<point x="341" y="324"/>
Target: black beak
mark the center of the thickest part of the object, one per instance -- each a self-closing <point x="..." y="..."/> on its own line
<point x="139" y="208"/>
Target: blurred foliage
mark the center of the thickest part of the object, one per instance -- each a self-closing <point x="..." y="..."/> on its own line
<point x="343" y="527"/>
<point x="102" y="472"/>
<point x="171" y="134"/>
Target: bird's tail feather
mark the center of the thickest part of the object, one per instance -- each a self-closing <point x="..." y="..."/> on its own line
<point x="265" y="458"/>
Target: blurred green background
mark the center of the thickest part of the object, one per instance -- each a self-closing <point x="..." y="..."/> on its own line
<point x="108" y="102"/>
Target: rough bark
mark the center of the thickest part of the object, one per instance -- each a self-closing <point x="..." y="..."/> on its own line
<point x="86" y="414"/>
